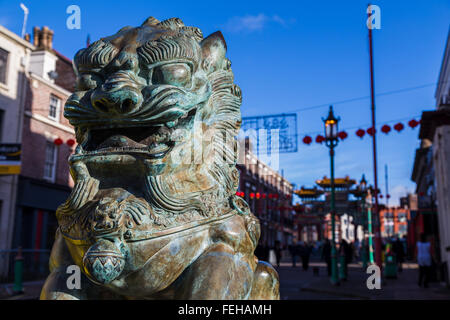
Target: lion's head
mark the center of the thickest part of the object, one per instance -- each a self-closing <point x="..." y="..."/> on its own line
<point x="156" y="113"/>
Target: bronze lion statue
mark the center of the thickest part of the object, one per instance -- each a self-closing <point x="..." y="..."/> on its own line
<point x="154" y="213"/>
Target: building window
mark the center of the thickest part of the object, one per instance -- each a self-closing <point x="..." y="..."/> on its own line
<point x="55" y="103"/>
<point x="3" y="65"/>
<point x="50" y="161"/>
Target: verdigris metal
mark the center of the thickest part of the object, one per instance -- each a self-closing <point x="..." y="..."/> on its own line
<point x="154" y="212"/>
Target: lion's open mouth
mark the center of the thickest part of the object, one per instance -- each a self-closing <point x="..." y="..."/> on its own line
<point x="152" y="142"/>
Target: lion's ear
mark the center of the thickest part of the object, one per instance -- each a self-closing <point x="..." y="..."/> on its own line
<point x="213" y="51"/>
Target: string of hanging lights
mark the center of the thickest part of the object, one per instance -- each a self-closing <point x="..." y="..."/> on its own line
<point x="360" y="132"/>
<point x="58" y="141"/>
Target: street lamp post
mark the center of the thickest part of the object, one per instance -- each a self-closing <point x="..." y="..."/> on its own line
<point x="362" y="192"/>
<point x="331" y="140"/>
<point x="369" y="224"/>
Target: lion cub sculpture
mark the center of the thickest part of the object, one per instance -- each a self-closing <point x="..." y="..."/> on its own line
<point x="154" y="212"/>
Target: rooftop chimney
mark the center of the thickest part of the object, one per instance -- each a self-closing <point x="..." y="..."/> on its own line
<point x="36" y="32"/>
<point x="43" y="38"/>
<point x="43" y="59"/>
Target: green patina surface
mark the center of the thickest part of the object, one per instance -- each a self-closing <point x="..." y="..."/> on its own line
<point x="154" y="211"/>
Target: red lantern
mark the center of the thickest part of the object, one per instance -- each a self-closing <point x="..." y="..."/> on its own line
<point x="413" y="123"/>
<point x="388" y="196"/>
<point x="252" y="195"/>
<point x="264" y="195"/>
<point x="381" y="196"/>
<point x="385" y="129"/>
<point x="258" y="195"/>
<point x="270" y="196"/>
<point x="399" y="126"/>
<point x="320" y="139"/>
<point x="360" y="133"/>
<point x="58" y="141"/>
<point x="238" y="193"/>
<point x="342" y="135"/>
<point x="70" y="142"/>
<point x="307" y="140"/>
<point x="371" y="131"/>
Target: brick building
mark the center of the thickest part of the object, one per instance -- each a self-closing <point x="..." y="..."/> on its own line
<point x="431" y="171"/>
<point x="35" y="82"/>
<point x="394" y="222"/>
<point x="269" y="196"/>
<point x="14" y="57"/>
<point x="47" y="142"/>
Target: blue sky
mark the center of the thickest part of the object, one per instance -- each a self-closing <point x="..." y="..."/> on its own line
<point x="290" y="55"/>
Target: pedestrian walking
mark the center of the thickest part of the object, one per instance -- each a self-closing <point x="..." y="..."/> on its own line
<point x="423" y="248"/>
<point x="345" y="256"/>
<point x="364" y="253"/>
<point x="326" y="255"/>
<point x="305" y="252"/>
<point x="357" y="249"/>
<point x="293" y="250"/>
<point x="277" y="250"/>
<point x="265" y="251"/>
<point x="350" y="252"/>
<point x="399" y="253"/>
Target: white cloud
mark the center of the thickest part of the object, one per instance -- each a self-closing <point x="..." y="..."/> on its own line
<point x="279" y="20"/>
<point x="251" y="23"/>
<point x="396" y="193"/>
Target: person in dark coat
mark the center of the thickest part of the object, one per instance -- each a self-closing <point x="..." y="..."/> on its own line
<point x="277" y="248"/>
<point x="364" y="253"/>
<point x="305" y="252"/>
<point x="326" y="255"/>
<point x="350" y="252"/>
<point x="265" y="251"/>
<point x="345" y="252"/>
<point x="293" y="250"/>
<point x="399" y="253"/>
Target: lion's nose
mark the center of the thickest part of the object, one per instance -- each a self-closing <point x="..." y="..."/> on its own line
<point x="122" y="101"/>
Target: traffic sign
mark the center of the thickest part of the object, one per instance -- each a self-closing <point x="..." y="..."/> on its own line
<point x="282" y="127"/>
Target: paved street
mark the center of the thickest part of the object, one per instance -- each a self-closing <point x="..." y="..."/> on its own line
<point x="32" y="290"/>
<point x="296" y="284"/>
<point x="303" y="285"/>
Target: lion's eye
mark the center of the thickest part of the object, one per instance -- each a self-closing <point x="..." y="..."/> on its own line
<point x="88" y="81"/>
<point x="178" y="74"/>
